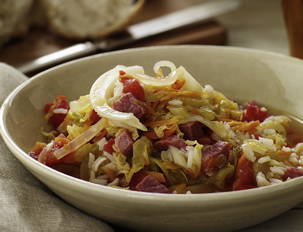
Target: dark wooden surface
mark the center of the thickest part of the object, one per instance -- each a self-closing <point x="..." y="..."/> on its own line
<point x="293" y="17"/>
<point x="39" y="41"/>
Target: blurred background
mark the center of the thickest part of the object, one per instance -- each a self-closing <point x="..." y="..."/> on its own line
<point x="30" y="29"/>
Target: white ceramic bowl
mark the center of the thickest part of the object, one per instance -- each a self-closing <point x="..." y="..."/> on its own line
<point x="241" y="74"/>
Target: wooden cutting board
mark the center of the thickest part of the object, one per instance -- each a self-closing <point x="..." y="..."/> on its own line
<point x="39" y="42"/>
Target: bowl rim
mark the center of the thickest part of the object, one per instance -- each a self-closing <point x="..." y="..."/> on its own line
<point x="130" y="195"/>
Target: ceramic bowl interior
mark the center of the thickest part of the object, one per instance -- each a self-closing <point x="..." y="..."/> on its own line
<point x="270" y="79"/>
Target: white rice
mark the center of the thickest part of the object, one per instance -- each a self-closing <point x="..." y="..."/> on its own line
<point x="277" y="170"/>
<point x="299" y="148"/>
<point x="269" y="143"/>
<point x="261" y="179"/>
<point x="293" y="158"/>
<point x="273" y="162"/>
<point x="175" y="102"/>
<point x="286" y="149"/>
<point x="264" y="159"/>
<point x="60" y="111"/>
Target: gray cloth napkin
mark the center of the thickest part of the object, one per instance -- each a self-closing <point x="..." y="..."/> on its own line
<point x="27" y="205"/>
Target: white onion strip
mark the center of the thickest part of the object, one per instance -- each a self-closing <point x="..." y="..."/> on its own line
<point x="80" y="140"/>
<point x="98" y="162"/>
<point x="43" y="155"/>
<point x="159" y="82"/>
<point x="103" y="89"/>
<point x="163" y="63"/>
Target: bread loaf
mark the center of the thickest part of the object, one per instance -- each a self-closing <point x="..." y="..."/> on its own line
<point x="14" y="18"/>
<point x="88" y="19"/>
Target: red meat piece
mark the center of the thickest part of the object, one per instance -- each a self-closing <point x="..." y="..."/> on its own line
<point x="292" y="172"/>
<point x="151" y="184"/>
<point x="124" y="142"/>
<point x="215" y="156"/>
<point x="174" y="140"/>
<point x="129" y="104"/>
<point x="192" y="130"/>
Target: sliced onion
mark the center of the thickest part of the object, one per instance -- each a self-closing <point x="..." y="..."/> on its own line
<point x="119" y="118"/>
<point x="80" y="140"/>
<point x="163" y="63"/>
<point x="43" y="155"/>
<point x="102" y="90"/>
<point x="138" y="73"/>
<point x="190" y="82"/>
<point x="103" y="87"/>
<point x="98" y="162"/>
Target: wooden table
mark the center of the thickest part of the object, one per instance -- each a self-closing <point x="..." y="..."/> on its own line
<point x="40" y="42"/>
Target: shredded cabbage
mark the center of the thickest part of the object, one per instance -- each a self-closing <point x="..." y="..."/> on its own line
<point x="278" y="123"/>
<point x="121" y="163"/>
<point x="141" y="151"/>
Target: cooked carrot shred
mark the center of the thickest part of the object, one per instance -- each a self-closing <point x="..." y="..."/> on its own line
<point x="167" y="132"/>
<point x="178" y="84"/>
<point x="162" y="122"/>
<point x="249" y="127"/>
<point x="180" y="93"/>
<point x="170" y="131"/>
<point x="151" y="135"/>
<point x="283" y="153"/>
